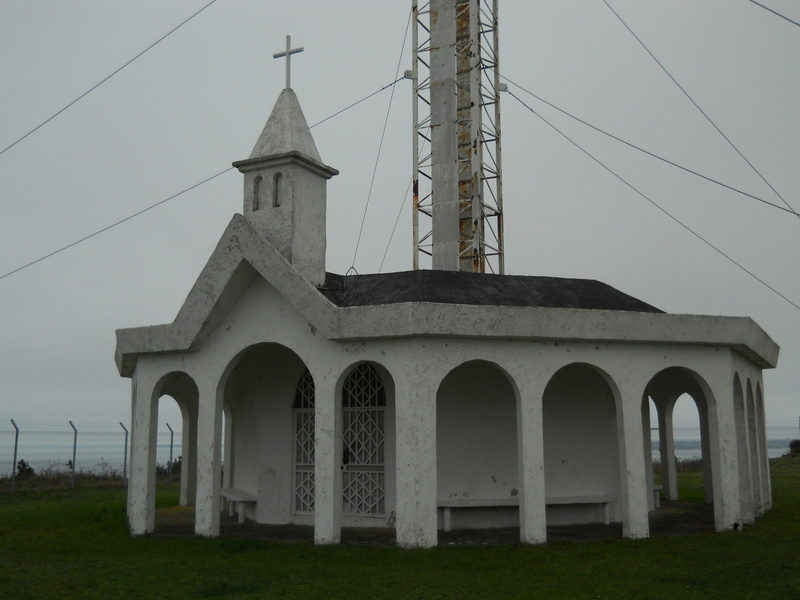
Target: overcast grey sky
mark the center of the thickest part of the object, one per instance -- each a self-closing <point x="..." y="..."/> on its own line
<point x="196" y="102"/>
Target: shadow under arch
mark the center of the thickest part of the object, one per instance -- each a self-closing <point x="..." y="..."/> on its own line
<point x="180" y="386"/>
<point x="365" y="446"/>
<point x="581" y="446"/>
<point x="256" y="395"/>
<point x="477" y="448"/>
<point x="665" y="388"/>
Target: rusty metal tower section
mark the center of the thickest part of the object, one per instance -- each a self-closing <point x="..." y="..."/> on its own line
<point x="458" y="199"/>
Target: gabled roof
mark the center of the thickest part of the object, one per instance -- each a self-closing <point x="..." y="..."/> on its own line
<point x="416" y="304"/>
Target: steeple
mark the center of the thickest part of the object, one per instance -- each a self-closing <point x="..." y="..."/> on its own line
<point x="285" y="185"/>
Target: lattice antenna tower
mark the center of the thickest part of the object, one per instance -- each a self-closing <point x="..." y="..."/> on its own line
<point x="458" y="192"/>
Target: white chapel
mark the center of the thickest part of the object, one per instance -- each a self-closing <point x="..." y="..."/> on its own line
<point x="427" y="400"/>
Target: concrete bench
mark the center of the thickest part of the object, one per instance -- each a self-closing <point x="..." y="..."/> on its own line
<point x="451" y="503"/>
<point x="604" y="501"/>
<point x="237" y="499"/>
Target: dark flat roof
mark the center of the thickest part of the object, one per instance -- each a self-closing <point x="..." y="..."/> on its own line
<point x="454" y="287"/>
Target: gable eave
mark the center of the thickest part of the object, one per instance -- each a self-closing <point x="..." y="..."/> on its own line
<point x="241" y="255"/>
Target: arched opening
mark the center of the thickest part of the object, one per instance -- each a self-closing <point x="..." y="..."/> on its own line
<point x="258" y="193"/>
<point x="366" y="400"/>
<point x="476" y="448"/>
<point x="277" y="190"/>
<point x="754" y="443"/>
<point x="176" y="397"/>
<point x="581" y="449"/>
<point x="260" y="438"/>
<point x="691" y="442"/>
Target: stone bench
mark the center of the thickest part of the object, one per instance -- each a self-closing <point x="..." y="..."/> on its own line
<point x="237" y="499"/>
<point x="450" y="503"/>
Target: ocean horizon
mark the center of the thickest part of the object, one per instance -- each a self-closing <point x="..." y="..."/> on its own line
<point x="102" y="447"/>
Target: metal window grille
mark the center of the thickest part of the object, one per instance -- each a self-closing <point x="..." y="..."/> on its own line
<point x="363" y="436"/>
<point x="303" y="409"/>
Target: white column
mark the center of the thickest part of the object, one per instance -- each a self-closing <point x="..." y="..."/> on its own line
<point x="721" y="446"/>
<point x="327" y="477"/>
<point x="209" y="437"/>
<point x="415" y="410"/>
<point x="635" y="521"/>
<point x="530" y="436"/>
<point x="666" y="436"/>
<point x="189" y="454"/>
<point x="142" y="476"/>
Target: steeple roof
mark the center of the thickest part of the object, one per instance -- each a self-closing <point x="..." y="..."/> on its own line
<point x="286" y="131"/>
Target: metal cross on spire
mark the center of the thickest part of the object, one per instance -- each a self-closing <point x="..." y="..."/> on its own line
<point x="288" y="54"/>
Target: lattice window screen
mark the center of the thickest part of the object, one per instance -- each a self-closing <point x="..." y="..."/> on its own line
<point x="304" y="445"/>
<point x="363" y="437"/>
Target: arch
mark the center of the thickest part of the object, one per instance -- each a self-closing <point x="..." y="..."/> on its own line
<point x="581" y="445"/>
<point x="476" y="445"/>
<point x="181" y="387"/>
<point x="365" y="403"/>
<point x="258" y="391"/>
<point x="666" y="387"/>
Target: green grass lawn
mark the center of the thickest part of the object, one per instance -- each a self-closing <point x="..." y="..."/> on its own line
<point x="74" y="543"/>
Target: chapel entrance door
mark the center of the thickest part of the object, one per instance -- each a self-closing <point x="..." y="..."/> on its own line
<point x="363" y="443"/>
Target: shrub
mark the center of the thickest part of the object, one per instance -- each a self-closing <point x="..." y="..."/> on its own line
<point x="24" y="469"/>
<point x="794" y="448"/>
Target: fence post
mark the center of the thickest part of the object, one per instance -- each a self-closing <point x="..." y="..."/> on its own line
<point x="14" y="464"/>
<point x="74" y="452"/>
<point x="169" y="464"/>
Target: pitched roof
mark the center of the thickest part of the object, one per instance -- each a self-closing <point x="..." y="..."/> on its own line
<point x="451" y="287"/>
<point x="286" y="131"/>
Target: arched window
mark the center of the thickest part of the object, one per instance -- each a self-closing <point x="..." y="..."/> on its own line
<point x="277" y="190"/>
<point x="258" y="185"/>
<point x="303" y="409"/>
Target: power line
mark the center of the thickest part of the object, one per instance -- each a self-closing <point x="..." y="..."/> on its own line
<point x="774" y="12"/>
<point x="367" y="97"/>
<point x="653" y="202"/>
<point x="647" y="152"/>
<point x="97" y="85"/>
<point x="120" y="222"/>
<point x="697" y="106"/>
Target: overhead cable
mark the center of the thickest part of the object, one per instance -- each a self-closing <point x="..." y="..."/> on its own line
<point x="697" y="106"/>
<point x="120" y="222"/>
<point x="647" y="152"/>
<point x="380" y="145"/>
<point x="775" y="12"/>
<point x="97" y="85"/>
<point x="651" y="201"/>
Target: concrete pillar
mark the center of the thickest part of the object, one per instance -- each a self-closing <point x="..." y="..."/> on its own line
<point x="189" y="455"/>
<point x="530" y="441"/>
<point x="718" y="426"/>
<point x="754" y="462"/>
<point x="415" y="415"/>
<point x="142" y="476"/>
<point x="648" y="452"/>
<point x="666" y="435"/>
<point x="327" y="477"/>
<point x="209" y="438"/>
<point x="635" y="520"/>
